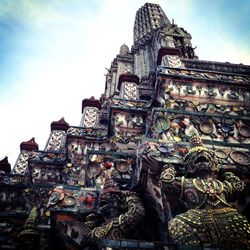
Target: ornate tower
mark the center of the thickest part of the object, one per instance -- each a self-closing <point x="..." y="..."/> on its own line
<point x="122" y="64"/>
<point x="155" y="37"/>
<point x="153" y="162"/>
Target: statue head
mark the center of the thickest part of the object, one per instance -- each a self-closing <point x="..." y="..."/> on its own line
<point x="199" y="159"/>
<point x="110" y="200"/>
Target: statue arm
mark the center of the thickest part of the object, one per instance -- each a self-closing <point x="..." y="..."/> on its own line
<point x="234" y="186"/>
<point x="120" y="225"/>
<point x="134" y="214"/>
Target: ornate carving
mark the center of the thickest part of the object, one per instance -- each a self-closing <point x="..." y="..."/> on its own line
<point x="173" y="126"/>
<point x="172" y="61"/>
<point x="74" y="199"/>
<point x="56" y="141"/>
<point x="88" y="133"/>
<point x="21" y="166"/>
<point x="173" y="90"/>
<point x="129" y="91"/>
<point x="217" y="66"/>
<point x="209" y="76"/>
<point x="127" y="126"/>
<point x="148" y="18"/>
<point x="90" y="117"/>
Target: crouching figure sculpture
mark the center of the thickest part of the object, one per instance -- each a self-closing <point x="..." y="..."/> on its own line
<point x="121" y="212"/>
<point x="210" y="220"/>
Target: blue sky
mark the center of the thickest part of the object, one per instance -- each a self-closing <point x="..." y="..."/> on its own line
<point x="53" y="54"/>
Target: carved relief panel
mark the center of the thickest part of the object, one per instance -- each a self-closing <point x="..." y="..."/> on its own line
<point x="68" y="206"/>
<point x="230" y="158"/>
<point x="90" y="117"/>
<point x="45" y="167"/>
<point x="170" y="42"/>
<point x="201" y="74"/>
<point x="127" y="126"/>
<point x="104" y="167"/>
<point x="70" y="199"/>
<point x="80" y="169"/>
<point x="172" y="61"/>
<point x="16" y="199"/>
<point x="124" y="68"/>
<point x="174" y="126"/>
<point x="218" y="92"/>
<point x="48" y="174"/>
<point x="21" y="166"/>
<point x="88" y="132"/>
<point x="56" y="141"/>
<point x="129" y="90"/>
<point x="75" y="169"/>
<point x="204" y="97"/>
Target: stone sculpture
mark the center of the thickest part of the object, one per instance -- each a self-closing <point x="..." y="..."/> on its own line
<point x="210" y="220"/>
<point x="121" y="212"/>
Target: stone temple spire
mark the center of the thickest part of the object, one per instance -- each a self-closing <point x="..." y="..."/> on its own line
<point x="148" y="18"/>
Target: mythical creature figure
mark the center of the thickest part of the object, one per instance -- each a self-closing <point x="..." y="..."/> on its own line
<point x="116" y="215"/>
<point x="121" y="212"/>
<point x="210" y="220"/>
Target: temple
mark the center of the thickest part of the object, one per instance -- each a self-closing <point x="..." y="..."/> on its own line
<point x="160" y="161"/>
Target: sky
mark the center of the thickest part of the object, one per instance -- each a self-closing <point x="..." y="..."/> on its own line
<point x="53" y="54"/>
